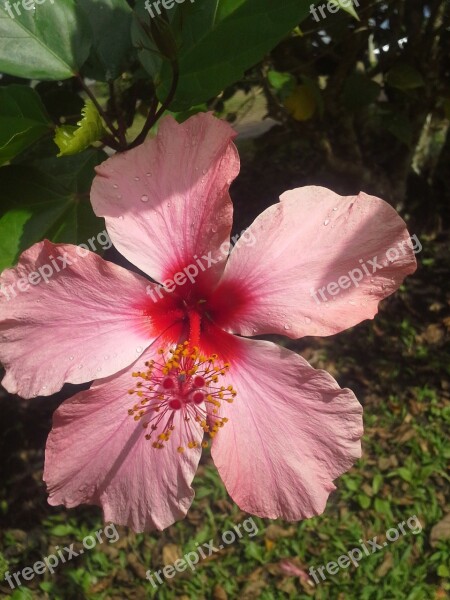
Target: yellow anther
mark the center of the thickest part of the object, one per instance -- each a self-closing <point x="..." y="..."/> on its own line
<point x="181" y="364"/>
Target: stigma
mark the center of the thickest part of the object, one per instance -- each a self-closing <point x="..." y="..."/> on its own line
<point x="183" y="387"/>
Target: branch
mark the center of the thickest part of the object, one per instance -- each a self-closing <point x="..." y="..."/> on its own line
<point x="153" y="116"/>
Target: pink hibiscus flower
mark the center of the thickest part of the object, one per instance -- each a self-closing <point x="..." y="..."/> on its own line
<point x="170" y="365"/>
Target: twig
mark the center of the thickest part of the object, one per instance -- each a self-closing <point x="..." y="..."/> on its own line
<point x="153" y="116"/>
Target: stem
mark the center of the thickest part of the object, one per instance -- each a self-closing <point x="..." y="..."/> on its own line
<point x="121" y="130"/>
<point x="150" y="121"/>
<point x="154" y="117"/>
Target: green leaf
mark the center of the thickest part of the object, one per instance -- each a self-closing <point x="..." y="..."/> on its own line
<point x="49" y="200"/>
<point x="49" y="41"/>
<point x="405" y="474"/>
<point x="359" y="91"/>
<point x="112" y="48"/>
<point x="377" y="483"/>
<point x="283" y="83"/>
<point x="61" y="530"/>
<point x="399" y="125"/>
<point x="22" y="594"/>
<point x="221" y="39"/>
<point x="73" y="140"/>
<point x="352" y="484"/>
<point x="346" y="5"/>
<point x="404" y="77"/>
<point x="364" y="501"/>
<point x="23" y="120"/>
<point x="443" y="571"/>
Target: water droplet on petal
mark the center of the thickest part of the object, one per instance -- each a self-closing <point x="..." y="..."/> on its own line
<point x="106" y="357"/>
<point x="144" y="198"/>
<point x="307" y="320"/>
<point x="115" y="186"/>
<point x="335" y="208"/>
<point x="121" y="217"/>
<point x="80" y="366"/>
<point x="136" y="178"/>
<point x="71" y="357"/>
<point x="119" y="196"/>
<point x="139" y="349"/>
<point x="204" y="171"/>
<point x="352" y="302"/>
<point x="326" y="222"/>
<point x="148" y="174"/>
<point x="287" y="327"/>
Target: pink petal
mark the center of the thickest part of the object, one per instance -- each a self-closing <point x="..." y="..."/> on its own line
<point x="166" y="203"/>
<point x="291" y="432"/>
<point x="311" y="239"/>
<point x="86" y="322"/>
<point x="97" y="454"/>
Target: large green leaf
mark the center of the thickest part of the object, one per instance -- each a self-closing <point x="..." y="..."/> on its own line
<point x="221" y="39"/>
<point x="23" y="120"/>
<point x="49" y="200"/>
<point x="110" y="22"/>
<point x="49" y="41"/>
